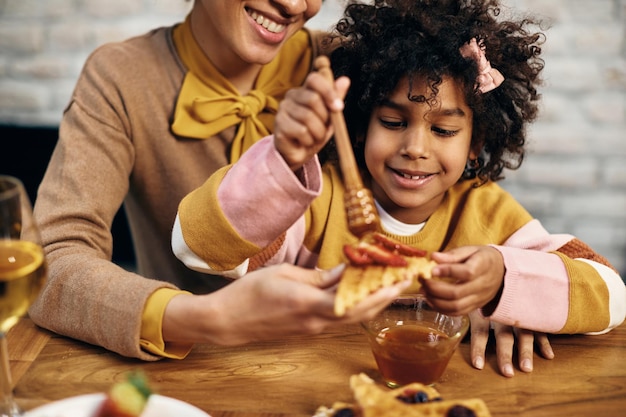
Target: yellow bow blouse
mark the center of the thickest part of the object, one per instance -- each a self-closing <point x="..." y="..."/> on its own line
<point x="208" y="103"/>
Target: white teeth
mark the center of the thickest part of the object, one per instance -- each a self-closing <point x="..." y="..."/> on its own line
<point x="267" y="23"/>
<point x="413" y="177"/>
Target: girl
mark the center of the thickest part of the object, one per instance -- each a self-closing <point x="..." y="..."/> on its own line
<point x="441" y="94"/>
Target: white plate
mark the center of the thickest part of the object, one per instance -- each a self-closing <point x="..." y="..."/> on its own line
<point x="86" y="406"/>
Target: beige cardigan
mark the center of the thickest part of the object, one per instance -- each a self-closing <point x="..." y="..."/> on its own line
<point x="115" y="146"/>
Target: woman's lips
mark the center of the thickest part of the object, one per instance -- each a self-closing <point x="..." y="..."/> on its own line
<point x="266" y="22"/>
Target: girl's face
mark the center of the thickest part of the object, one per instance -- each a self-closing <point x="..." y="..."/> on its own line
<point x="243" y="32"/>
<point x="415" y="152"/>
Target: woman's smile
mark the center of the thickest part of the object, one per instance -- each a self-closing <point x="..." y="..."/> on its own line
<point x="267" y="23"/>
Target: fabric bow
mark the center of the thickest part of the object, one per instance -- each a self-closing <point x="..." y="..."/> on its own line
<point x="208" y="103"/>
<point x="488" y="77"/>
<point x="210" y="111"/>
<point x="219" y="113"/>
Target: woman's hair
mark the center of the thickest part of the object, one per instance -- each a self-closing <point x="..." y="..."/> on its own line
<point x="382" y="42"/>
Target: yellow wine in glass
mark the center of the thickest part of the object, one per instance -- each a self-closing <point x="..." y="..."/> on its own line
<point x="22" y="274"/>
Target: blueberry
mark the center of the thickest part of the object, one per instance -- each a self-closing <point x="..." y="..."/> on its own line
<point x="413" y="397"/>
<point x="460" y="411"/>
<point x="344" y="412"/>
<point x="421" y="397"/>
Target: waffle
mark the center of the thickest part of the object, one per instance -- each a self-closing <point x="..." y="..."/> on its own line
<point x="377" y="262"/>
<point x="413" y="400"/>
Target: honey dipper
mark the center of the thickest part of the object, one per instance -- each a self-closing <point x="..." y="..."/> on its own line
<point x="360" y="209"/>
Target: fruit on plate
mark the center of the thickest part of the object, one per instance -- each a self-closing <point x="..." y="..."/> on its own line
<point x="413" y="400"/>
<point x="126" y="398"/>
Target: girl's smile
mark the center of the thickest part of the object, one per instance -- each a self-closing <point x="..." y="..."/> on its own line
<point x="415" y="151"/>
<point x="410" y="179"/>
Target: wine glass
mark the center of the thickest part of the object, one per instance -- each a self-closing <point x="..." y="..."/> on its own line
<point x="22" y="274"/>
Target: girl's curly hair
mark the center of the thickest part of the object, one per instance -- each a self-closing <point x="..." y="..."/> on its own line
<point x="379" y="43"/>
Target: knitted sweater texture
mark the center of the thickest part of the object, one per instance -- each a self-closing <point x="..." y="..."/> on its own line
<point x="116" y="147"/>
<point x="551" y="281"/>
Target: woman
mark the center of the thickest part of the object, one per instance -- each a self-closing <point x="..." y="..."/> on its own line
<point x="150" y="120"/>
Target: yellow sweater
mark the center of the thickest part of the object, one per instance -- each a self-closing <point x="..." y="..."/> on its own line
<point x="551" y="280"/>
<point x="467" y="216"/>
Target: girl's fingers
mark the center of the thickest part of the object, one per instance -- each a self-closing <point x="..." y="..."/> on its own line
<point x="504" y="348"/>
<point x="526" y="349"/>
<point x="479" y="338"/>
<point x="544" y="346"/>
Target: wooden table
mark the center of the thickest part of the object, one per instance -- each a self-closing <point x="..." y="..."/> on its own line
<point x="292" y="377"/>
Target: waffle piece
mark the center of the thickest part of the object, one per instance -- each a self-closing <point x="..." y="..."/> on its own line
<point x="413" y="400"/>
<point x="366" y="391"/>
<point x="338" y="409"/>
<point x="376" y="262"/>
<point x="375" y="401"/>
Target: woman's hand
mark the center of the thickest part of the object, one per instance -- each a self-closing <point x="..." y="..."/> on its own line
<point x="302" y="126"/>
<point x="505" y="338"/>
<point x="266" y="304"/>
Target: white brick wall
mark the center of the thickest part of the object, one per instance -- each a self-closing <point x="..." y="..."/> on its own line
<point x="573" y="178"/>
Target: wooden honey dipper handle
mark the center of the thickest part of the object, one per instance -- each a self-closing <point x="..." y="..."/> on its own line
<point x="360" y="209"/>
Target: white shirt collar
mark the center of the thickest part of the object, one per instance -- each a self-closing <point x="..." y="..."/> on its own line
<point x="395" y="226"/>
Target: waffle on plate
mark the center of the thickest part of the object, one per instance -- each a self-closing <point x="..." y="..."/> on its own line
<point x="413" y="400"/>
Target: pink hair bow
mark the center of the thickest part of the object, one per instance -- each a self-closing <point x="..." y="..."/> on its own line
<point x="488" y="77"/>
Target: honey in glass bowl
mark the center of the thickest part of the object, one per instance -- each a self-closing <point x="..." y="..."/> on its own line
<point x="411" y="342"/>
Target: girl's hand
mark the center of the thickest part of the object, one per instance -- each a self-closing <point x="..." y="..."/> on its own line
<point x="505" y="338"/>
<point x="474" y="276"/>
<point x="302" y="126"/>
<point x="477" y="274"/>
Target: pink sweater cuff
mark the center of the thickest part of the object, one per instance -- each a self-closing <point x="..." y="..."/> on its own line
<point x="262" y="186"/>
<point x="536" y="291"/>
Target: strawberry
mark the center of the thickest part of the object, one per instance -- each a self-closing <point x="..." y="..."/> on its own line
<point x="381" y="255"/>
<point x="379" y="249"/>
<point x="356" y="257"/>
<point x="394" y="245"/>
<point x="126" y="399"/>
<point x="366" y="254"/>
